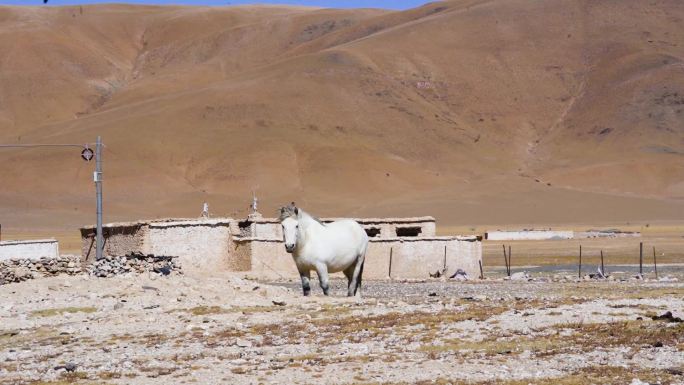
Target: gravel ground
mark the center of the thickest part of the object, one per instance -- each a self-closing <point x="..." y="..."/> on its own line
<point x="224" y="329"/>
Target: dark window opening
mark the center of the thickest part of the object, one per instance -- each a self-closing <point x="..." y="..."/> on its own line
<point x="408" y="231"/>
<point x="372" y="232"/>
<point x="245" y="228"/>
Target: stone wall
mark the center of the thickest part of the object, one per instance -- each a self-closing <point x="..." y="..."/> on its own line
<point x="22" y="269"/>
<point x="18" y="270"/>
<point x="133" y="263"/>
<point x="32" y="249"/>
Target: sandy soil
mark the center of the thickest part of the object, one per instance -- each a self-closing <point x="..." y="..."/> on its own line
<point x="147" y="330"/>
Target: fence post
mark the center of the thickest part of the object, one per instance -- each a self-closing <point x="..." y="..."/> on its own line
<point x="579" y="273"/>
<point x="390" y="264"/>
<point x="505" y="258"/>
<point x="481" y="271"/>
<point x="655" y="264"/>
<point x="641" y="259"/>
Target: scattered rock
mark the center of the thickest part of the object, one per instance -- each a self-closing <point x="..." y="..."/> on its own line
<point x="149" y="288"/>
<point x="668" y="317"/>
<point x="675" y="371"/>
<point x="460" y="275"/>
<point x="134" y="263"/>
<point x="438" y="273"/>
<point x="667" y="279"/>
<point x="69" y="367"/>
<point x="520" y="276"/>
<point x="243" y="343"/>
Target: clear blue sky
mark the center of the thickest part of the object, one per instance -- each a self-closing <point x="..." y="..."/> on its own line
<point x="389" y="4"/>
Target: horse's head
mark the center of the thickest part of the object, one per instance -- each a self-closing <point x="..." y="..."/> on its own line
<point x="289" y="218"/>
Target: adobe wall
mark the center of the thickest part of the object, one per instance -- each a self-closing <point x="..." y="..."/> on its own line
<point x="532" y="235"/>
<point x="413" y="258"/>
<point x="31" y="249"/>
<point x="256" y="246"/>
<point x="269" y="260"/>
<point x="607" y="234"/>
<point x="271" y="228"/>
<point x="203" y="245"/>
<point x="416" y="258"/>
<point x="119" y="239"/>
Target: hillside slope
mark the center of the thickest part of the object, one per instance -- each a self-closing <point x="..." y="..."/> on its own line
<point x="475" y="111"/>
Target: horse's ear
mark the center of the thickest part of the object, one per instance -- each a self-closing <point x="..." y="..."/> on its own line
<point x="296" y="211"/>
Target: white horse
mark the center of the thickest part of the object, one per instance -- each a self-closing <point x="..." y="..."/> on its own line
<point x="326" y="248"/>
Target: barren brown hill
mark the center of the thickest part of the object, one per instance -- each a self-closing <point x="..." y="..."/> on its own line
<point x="498" y="112"/>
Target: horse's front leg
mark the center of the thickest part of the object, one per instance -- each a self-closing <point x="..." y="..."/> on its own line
<point x="322" y="271"/>
<point x="305" y="276"/>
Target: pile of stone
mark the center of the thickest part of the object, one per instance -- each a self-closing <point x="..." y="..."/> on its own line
<point x="135" y="263"/>
<point x="18" y="270"/>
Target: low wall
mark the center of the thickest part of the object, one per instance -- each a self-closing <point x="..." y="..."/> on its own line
<point x="119" y="239"/>
<point x="384" y="227"/>
<point x="227" y="244"/>
<point x="32" y="249"/>
<point x="417" y="258"/>
<point x="397" y="258"/>
<point x="268" y="257"/>
<point x="18" y="270"/>
<point x="532" y="235"/>
<point x="199" y="245"/>
<point x="607" y="234"/>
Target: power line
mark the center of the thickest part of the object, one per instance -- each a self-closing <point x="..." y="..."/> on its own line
<point x="87" y="154"/>
<point x="44" y="145"/>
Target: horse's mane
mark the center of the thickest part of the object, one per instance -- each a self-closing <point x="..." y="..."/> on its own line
<point x="315" y="218"/>
<point x="291" y="211"/>
<point x="288" y="211"/>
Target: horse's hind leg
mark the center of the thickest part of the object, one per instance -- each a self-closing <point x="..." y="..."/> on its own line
<point x="349" y="273"/>
<point x="306" y="286"/>
<point x="322" y="271"/>
<point x="355" y="282"/>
